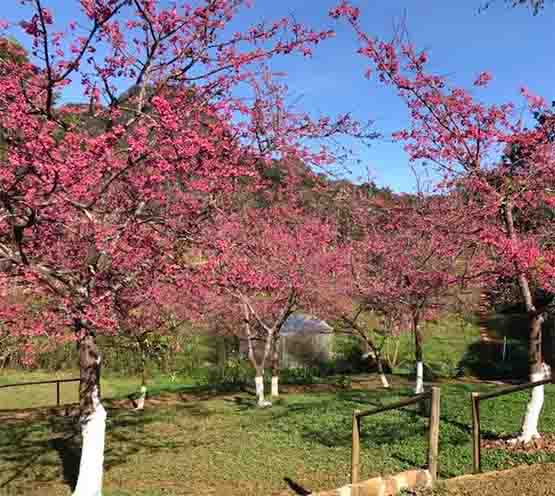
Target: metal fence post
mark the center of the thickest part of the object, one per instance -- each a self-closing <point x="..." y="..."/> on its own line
<point x="57" y="393"/>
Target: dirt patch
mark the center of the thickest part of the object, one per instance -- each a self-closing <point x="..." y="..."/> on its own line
<point x="312" y="388"/>
<point x="538" y="479"/>
<point x="534" y="480"/>
<point x="546" y="444"/>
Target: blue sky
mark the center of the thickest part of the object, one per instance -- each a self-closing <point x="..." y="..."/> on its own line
<point x="516" y="47"/>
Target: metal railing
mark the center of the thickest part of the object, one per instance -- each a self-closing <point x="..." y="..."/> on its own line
<point x="433" y="430"/>
<point x="56" y="381"/>
<point x="475" y="398"/>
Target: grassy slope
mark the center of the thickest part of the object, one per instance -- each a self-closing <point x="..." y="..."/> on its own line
<point x="45" y="395"/>
<point x="446" y="343"/>
<point x="226" y="446"/>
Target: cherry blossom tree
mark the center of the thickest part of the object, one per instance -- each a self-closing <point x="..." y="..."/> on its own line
<point x="266" y="222"/>
<point x="405" y="265"/>
<point x="269" y="263"/>
<point x="149" y="312"/>
<point x="500" y="166"/>
<point x="373" y="328"/>
<point x="94" y="196"/>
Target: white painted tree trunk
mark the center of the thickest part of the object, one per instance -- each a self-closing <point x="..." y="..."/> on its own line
<point x="534" y="408"/>
<point x="259" y="381"/>
<point x="385" y="382"/>
<point x="89" y="482"/>
<point x="141" y="400"/>
<point x="381" y="373"/>
<point x="275" y="386"/>
<point x="419" y="388"/>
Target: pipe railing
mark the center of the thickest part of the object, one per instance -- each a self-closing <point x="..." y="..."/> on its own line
<point x="475" y="399"/>
<point x="55" y="381"/>
<point x="433" y="431"/>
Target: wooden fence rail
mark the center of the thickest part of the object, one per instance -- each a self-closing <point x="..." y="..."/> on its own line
<point x="56" y="381"/>
<point x="433" y="431"/>
<point x="475" y="399"/>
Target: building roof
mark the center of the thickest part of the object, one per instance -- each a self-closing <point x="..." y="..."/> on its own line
<point x="304" y="324"/>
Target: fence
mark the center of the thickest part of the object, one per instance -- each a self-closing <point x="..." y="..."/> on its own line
<point x="57" y="382"/>
<point x="433" y="430"/>
<point x="475" y="399"/>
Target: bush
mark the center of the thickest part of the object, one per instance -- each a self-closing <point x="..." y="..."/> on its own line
<point x="300" y="375"/>
<point x="234" y="371"/>
<point x="348" y="356"/>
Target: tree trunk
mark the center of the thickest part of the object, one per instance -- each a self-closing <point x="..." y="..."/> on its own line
<point x="142" y="396"/>
<point x="383" y="377"/>
<point x="221" y="349"/>
<point x="259" y="383"/>
<point x="538" y="369"/>
<point x="93" y="417"/>
<point x="393" y="362"/>
<point x="419" y="386"/>
<point x="259" y="367"/>
<point x="376" y="355"/>
<point x="275" y="367"/>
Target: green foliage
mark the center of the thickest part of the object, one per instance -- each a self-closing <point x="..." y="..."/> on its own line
<point x="348" y="353"/>
<point x="11" y="50"/>
<point x="233" y="372"/>
<point x="300" y="375"/>
<point x="452" y="348"/>
<point x="274" y="174"/>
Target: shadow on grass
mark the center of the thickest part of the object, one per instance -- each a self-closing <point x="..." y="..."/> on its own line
<point x="69" y="453"/>
<point x="26" y="444"/>
<point x="202" y="392"/>
<point x="487" y="360"/>
<point x="242" y="404"/>
<point x="47" y="448"/>
<point x="357" y="397"/>
<point x="26" y="456"/>
<point x="327" y="420"/>
<point x="296" y="488"/>
<point x="408" y="462"/>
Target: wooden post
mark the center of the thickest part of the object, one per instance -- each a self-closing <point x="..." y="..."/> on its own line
<point x="433" y="441"/>
<point x="355" y="450"/>
<point x="58" y="393"/>
<point x="476" y="455"/>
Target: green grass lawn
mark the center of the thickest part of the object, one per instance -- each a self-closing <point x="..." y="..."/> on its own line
<point x="34" y="396"/>
<point x="193" y="442"/>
